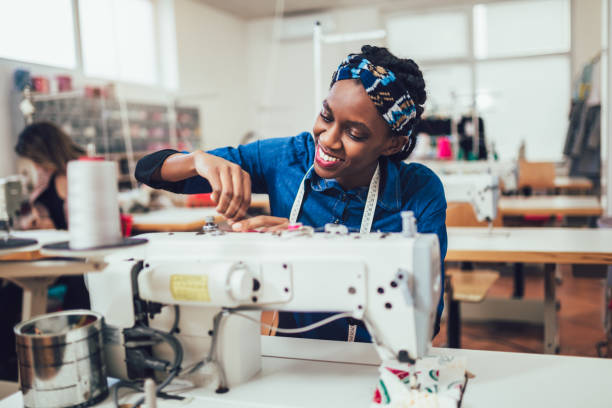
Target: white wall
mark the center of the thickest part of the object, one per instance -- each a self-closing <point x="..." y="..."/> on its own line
<point x="213" y="70"/>
<point x="281" y="94"/>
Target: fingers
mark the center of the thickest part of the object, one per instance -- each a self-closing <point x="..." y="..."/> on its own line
<point x="215" y="184"/>
<point x="227" y="190"/>
<point x="246" y="196"/>
<point x="261" y="223"/>
<point x="279" y="227"/>
<point x="251" y="223"/>
<point x="238" y="194"/>
<point x="231" y="186"/>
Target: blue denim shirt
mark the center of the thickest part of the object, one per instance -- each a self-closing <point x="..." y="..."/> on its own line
<point x="277" y="167"/>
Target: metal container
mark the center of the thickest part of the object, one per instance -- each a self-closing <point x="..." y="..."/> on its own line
<point x="61" y="361"/>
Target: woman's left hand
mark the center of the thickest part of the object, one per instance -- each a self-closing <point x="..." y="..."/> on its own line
<point x="263" y="223"/>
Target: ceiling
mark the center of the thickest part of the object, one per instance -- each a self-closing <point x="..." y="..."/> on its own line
<point x="252" y="9"/>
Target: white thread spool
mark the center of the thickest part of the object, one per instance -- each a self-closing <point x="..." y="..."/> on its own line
<point x="93" y="205"/>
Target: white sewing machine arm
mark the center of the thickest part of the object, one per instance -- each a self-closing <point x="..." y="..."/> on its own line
<point x="390" y="281"/>
<point x="480" y="190"/>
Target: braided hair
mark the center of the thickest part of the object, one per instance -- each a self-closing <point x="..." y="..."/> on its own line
<point x="410" y="77"/>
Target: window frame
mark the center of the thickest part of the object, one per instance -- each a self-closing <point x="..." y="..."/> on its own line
<point x="79" y="69"/>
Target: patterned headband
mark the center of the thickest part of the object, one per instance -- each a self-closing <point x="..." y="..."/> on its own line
<point x="392" y="101"/>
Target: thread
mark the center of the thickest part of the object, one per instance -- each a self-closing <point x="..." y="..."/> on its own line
<point x="93" y="204"/>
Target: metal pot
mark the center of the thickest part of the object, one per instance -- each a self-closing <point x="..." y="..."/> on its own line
<point x="61" y="361"/>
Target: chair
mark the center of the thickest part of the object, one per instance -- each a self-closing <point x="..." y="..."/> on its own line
<point x="465" y="284"/>
<point x="536" y="175"/>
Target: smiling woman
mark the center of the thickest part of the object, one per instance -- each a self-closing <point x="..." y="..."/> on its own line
<point x="349" y="171"/>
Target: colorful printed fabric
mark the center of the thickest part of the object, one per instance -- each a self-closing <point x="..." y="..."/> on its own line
<point x="392" y="101"/>
<point x="440" y="383"/>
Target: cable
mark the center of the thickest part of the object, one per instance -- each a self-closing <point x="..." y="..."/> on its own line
<point x="124" y="384"/>
<point x="178" y="356"/>
<point x="299" y="329"/>
<point x="177" y="316"/>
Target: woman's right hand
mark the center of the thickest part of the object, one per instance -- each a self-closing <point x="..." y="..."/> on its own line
<point x="231" y="186"/>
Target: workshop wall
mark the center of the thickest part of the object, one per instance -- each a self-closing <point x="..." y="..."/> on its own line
<point x="211" y="51"/>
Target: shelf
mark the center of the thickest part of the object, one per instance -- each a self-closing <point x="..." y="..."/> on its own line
<point x="98" y="120"/>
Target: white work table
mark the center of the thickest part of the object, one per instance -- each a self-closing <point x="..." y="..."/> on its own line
<point x="174" y="219"/>
<point x="548" y="246"/>
<point x="585" y="206"/>
<point x="307" y="373"/>
<point x="538" y="245"/>
<point x="34" y="273"/>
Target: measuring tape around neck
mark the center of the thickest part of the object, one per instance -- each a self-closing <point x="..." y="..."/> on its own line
<point x="368" y="211"/>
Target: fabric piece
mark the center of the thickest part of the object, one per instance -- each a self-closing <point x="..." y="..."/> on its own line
<point x="392" y="101"/>
<point x="440" y="382"/>
<point x="277" y="167"/>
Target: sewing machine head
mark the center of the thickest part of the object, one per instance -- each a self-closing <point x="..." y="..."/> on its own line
<point x="390" y="281"/>
<point x="11" y="197"/>
<point x="480" y="190"/>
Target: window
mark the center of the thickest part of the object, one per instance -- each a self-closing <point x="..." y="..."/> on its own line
<point x="38" y="31"/>
<point x="522" y="28"/>
<point x="449" y="88"/>
<point x="525" y="99"/>
<point x="519" y="60"/>
<point x="118" y="40"/>
<point x="429" y="36"/>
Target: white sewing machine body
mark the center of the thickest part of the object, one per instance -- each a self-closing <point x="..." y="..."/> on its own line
<point x="390" y="281"/>
<point x="506" y="171"/>
<point x="480" y="190"/>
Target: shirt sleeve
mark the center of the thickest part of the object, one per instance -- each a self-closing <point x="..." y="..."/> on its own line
<point x="150" y="164"/>
<point x="260" y="159"/>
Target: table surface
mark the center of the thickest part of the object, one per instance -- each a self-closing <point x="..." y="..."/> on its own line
<point x="538" y="245"/>
<point x="175" y="216"/>
<point x="307" y="373"/>
<point x="545" y="205"/>
<point x="573" y="182"/>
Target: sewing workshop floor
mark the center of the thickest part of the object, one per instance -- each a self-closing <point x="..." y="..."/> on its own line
<point x="580" y="317"/>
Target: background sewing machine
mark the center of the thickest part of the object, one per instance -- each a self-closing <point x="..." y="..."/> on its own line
<point x="202" y="288"/>
<point x="480" y="190"/>
<point x="505" y="171"/>
<point x="12" y="196"/>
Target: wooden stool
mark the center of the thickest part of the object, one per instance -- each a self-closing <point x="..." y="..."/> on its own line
<point x="465" y="286"/>
<point x="269" y="317"/>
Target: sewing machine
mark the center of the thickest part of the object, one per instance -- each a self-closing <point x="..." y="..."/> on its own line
<point x="11" y="197"/>
<point x="208" y="290"/>
<point x="506" y="171"/>
<point x="480" y="190"/>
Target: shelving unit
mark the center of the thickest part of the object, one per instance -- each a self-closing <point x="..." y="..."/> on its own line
<point x="98" y="120"/>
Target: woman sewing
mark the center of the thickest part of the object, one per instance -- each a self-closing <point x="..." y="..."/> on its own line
<point x="50" y="149"/>
<point x="353" y="161"/>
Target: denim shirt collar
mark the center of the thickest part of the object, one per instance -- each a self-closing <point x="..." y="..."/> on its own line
<point x="388" y="196"/>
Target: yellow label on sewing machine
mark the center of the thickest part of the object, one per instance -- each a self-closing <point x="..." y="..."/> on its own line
<point x="193" y="288"/>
